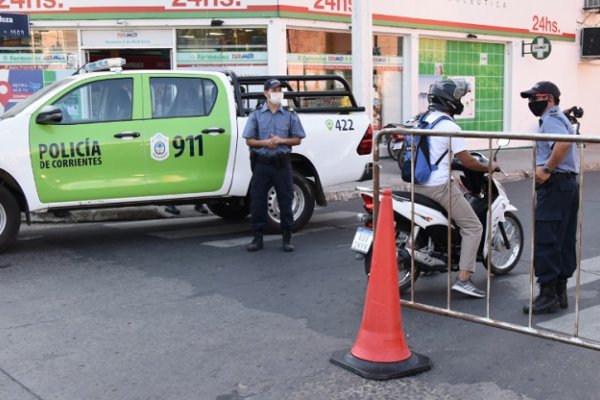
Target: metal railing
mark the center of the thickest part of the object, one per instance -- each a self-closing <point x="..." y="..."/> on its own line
<point x="573" y="339"/>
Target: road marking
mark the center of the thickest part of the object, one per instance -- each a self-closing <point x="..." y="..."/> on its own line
<point x="589" y="322"/>
<point x="153" y="223"/>
<point x="204" y="231"/>
<point x="332" y="216"/>
<point x="235" y="242"/>
<point x="240" y="227"/>
<point x="589" y="317"/>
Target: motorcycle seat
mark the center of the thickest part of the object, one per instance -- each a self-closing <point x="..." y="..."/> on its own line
<point x="421" y="199"/>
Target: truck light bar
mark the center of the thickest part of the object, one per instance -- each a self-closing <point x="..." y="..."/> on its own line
<point x="113" y="64"/>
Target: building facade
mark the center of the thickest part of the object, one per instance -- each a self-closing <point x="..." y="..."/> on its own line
<point x="495" y="44"/>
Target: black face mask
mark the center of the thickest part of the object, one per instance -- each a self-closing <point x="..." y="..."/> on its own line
<point x="538" y="107"/>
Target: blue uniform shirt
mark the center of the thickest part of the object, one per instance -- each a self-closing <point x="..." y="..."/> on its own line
<point x="554" y="121"/>
<point x="263" y="123"/>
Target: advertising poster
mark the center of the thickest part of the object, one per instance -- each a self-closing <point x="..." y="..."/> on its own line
<point x="17" y="85"/>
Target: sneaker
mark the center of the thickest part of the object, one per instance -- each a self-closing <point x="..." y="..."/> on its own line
<point x="468" y="288"/>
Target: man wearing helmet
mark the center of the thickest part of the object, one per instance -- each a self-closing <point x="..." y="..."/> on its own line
<point x="557" y="205"/>
<point x="445" y="99"/>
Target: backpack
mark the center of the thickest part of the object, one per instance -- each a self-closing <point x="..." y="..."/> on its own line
<point x="423" y="166"/>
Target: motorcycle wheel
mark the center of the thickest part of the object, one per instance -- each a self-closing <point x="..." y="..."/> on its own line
<point x="404" y="269"/>
<point x="503" y="259"/>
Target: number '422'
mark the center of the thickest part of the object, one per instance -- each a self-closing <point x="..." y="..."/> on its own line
<point x="344" y="125"/>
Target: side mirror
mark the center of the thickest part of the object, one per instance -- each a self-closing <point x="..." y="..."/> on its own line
<point x="49" y="115"/>
<point x="503" y="142"/>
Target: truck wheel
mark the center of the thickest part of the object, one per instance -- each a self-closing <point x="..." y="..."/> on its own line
<point x="303" y="204"/>
<point x="231" y="211"/>
<point x="10" y="218"/>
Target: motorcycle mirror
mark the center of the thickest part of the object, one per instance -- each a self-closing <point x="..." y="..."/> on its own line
<point x="503" y="142"/>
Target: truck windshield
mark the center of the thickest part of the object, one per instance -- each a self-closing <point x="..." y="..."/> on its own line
<point x="34" y="97"/>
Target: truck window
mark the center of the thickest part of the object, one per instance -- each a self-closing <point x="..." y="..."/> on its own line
<point x="182" y="97"/>
<point x="100" y="101"/>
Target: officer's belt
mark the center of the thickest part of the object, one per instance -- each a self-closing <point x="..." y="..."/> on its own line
<point x="276" y="159"/>
<point x="563" y="175"/>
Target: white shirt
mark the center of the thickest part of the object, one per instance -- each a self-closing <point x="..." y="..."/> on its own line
<point x="438" y="145"/>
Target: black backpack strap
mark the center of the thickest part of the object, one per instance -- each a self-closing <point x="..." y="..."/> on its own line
<point x="441" y="157"/>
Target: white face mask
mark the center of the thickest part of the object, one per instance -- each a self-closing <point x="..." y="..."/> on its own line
<point x="276" y="98"/>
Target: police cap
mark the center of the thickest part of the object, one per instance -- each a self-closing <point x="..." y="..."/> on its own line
<point x="272" y="83"/>
<point x="543" y="87"/>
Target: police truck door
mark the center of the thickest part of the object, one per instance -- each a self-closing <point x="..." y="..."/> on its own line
<point x="96" y="151"/>
<point x="189" y="133"/>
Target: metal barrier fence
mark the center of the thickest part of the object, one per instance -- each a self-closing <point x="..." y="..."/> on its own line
<point x="573" y="339"/>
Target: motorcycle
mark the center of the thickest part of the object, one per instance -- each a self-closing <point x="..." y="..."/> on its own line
<point x="395" y="142"/>
<point x="431" y="228"/>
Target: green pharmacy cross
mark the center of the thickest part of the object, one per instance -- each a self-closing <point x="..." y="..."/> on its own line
<point x="539" y="48"/>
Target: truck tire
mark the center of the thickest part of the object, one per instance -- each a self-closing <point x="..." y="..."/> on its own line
<point x="10" y="218"/>
<point x="303" y="204"/>
<point x="229" y="210"/>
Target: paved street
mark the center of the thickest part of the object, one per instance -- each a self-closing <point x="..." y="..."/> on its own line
<point x="177" y="309"/>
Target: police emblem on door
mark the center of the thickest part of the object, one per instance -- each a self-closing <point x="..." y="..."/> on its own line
<point x="159" y="147"/>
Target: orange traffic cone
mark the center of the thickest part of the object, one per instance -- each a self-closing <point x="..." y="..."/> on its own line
<point x="380" y="351"/>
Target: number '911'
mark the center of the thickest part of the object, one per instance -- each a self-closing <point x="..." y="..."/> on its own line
<point x="193" y="143"/>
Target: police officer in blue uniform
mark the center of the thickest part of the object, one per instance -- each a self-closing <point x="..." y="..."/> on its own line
<point x="270" y="132"/>
<point x="557" y="192"/>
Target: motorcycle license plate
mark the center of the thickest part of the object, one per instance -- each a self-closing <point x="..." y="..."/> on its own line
<point x="363" y="239"/>
<point x="398" y="146"/>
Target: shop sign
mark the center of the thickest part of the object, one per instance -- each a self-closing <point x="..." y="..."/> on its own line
<point x="131" y="6"/>
<point x="222" y="57"/>
<point x="540" y="48"/>
<point x="20" y="59"/>
<point x="14" y="25"/>
<point x="128" y="38"/>
<point x="340" y="61"/>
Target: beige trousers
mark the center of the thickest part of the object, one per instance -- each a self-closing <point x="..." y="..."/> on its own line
<point x="464" y="216"/>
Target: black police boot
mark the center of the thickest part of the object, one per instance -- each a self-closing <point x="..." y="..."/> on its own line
<point x="287" y="242"/>
<point x="257" y="242"/>
<point x="545" y="302"/>
<point x="561" y="293"/>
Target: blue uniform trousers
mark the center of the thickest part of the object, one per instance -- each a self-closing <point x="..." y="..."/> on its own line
<point x="265" y="176"/>
<point x="556" y="228"/>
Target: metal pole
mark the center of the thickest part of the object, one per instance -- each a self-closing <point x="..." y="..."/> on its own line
<point x="376" y="167"/>
<point x="489" y="233"/>
<point x="449" y="243"/>
<point x="533" y="207"/>
<point x="579" y="242"/>
<point x="412" y="218"/>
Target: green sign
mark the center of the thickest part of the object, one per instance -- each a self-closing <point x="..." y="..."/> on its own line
<point x="540" y="48"/>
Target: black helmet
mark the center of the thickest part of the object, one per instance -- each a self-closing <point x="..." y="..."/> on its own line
<point x="446" y="95"/>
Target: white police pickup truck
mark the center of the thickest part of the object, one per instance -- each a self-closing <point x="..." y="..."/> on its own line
<point x="122" y="138"/>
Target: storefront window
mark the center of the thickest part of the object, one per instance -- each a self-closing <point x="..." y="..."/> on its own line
<point x="56" y="49"/>
<point x="482" y="64"/>
<point x="29" y="64"/>
<point x="319" y="53"/>
<point x="242" y="50"/>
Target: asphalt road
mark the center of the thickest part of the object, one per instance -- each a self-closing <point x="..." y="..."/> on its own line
<point x="177" y="309"/>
